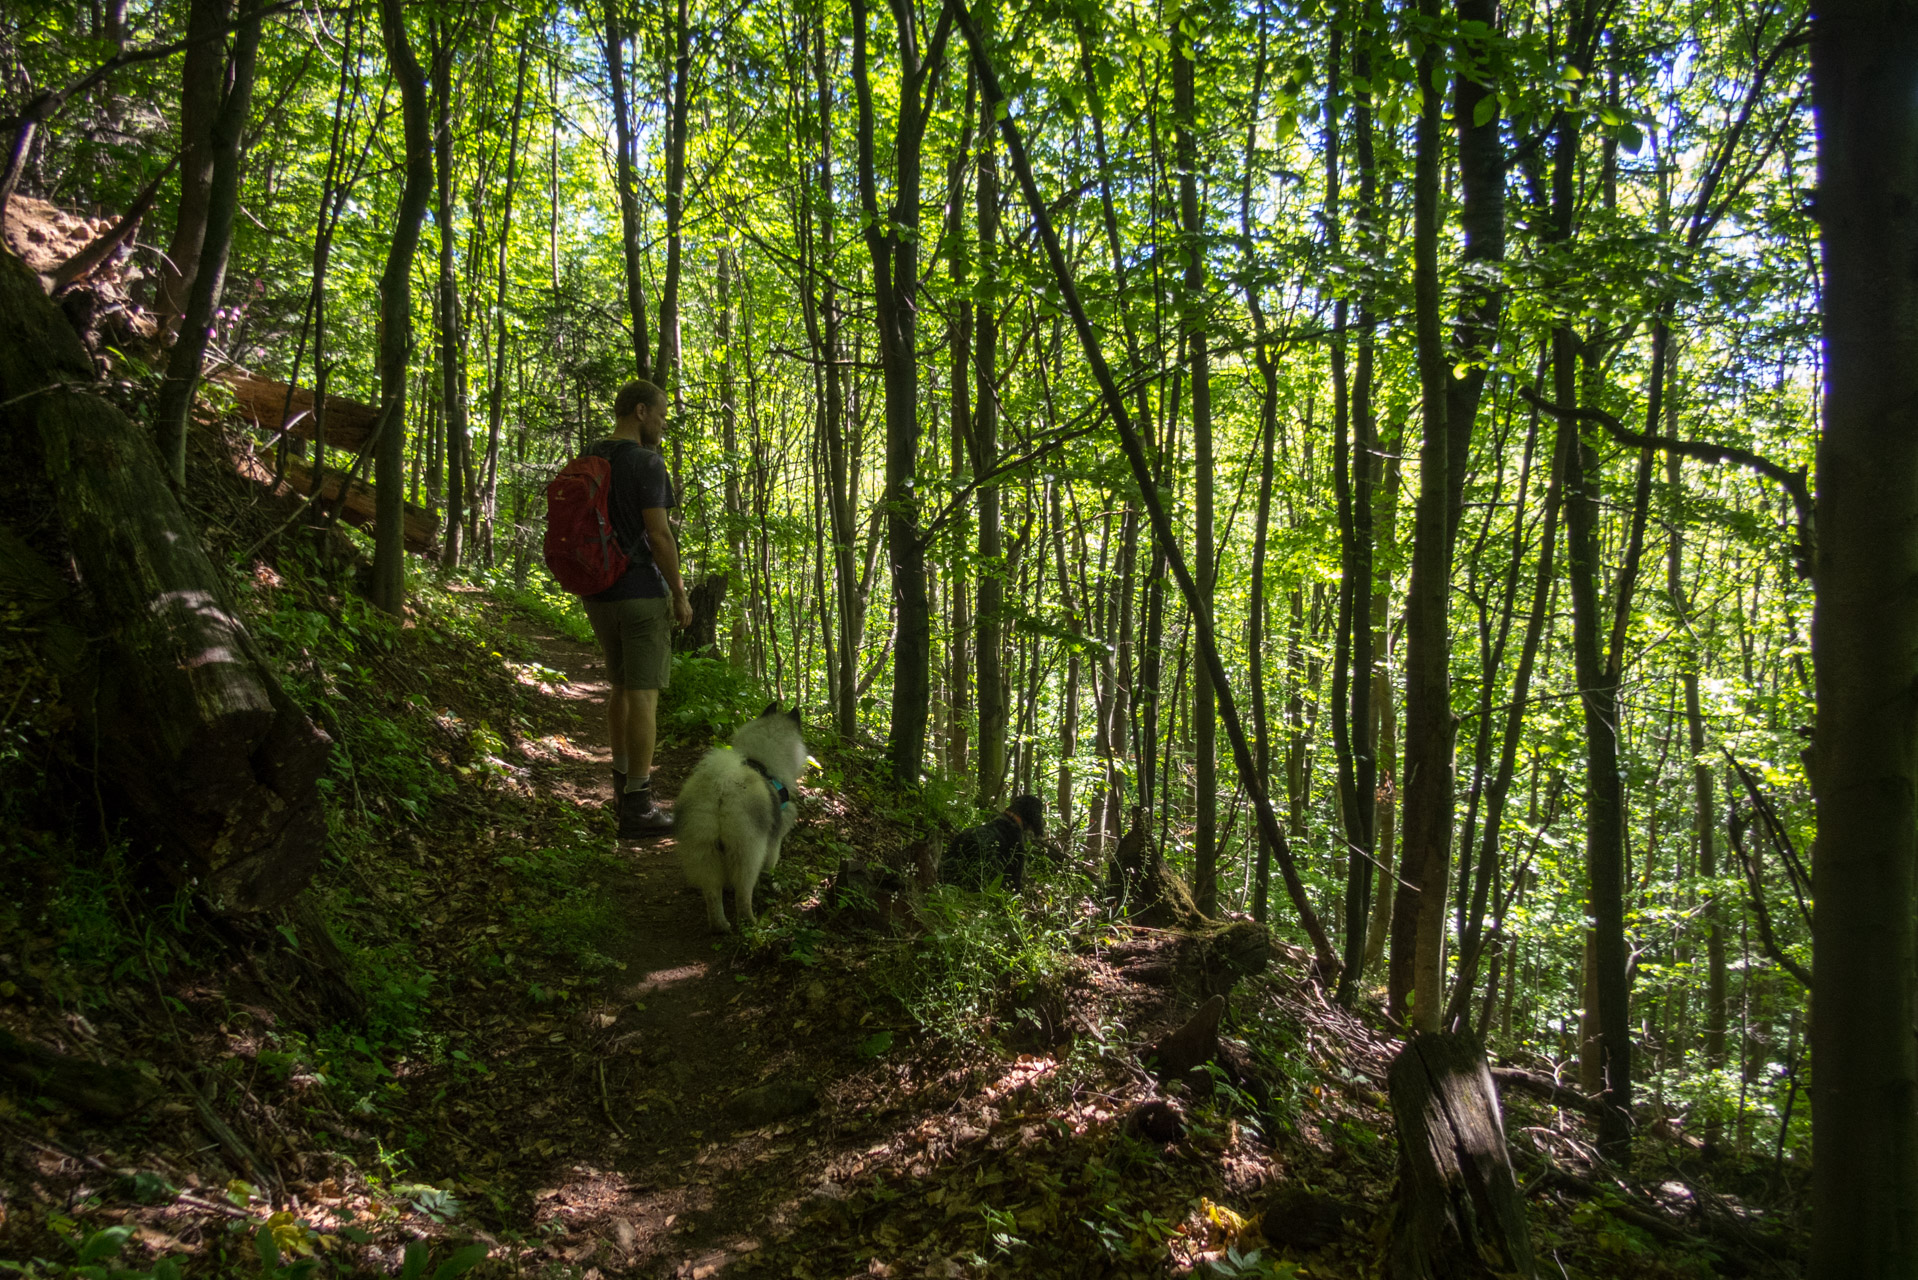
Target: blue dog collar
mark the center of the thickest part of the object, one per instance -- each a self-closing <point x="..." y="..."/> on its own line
<point x="780" y="793"/>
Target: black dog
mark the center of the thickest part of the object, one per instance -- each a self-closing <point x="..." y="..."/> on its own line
<point x="996" y="849"/>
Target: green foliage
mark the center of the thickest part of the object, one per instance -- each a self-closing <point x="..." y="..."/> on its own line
<point x="983" y="956"/>
<point x="95" y="1256"/>
<point x="708" y="695"/>
<point x="541" y="598"/>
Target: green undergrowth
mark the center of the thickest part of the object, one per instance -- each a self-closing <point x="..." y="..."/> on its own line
<point x="421" y="714"/>
<point x="539" y="598"/>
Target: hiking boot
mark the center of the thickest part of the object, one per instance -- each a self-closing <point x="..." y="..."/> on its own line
<point x="640" y="818"/>
<point x="619" y="787"/>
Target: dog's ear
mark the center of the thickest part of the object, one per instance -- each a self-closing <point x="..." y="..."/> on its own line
<point x="771" y="709"/>
<point x="794" y="713"/>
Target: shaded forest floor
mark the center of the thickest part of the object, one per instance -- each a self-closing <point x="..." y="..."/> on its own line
<point x="546" y="1054"/>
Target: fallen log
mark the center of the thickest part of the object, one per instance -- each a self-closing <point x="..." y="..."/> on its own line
<point x="217" y="762"/>
<point x="1456" y="1210"/>
<point x="265" y="403"/>
<point x="113" y="1090"/>
<point x="420" y="528"/>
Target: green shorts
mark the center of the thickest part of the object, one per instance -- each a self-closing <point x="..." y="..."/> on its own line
<point x="636" y="637"/>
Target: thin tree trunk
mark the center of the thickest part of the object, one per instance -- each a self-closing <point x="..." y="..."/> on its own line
<point x="893" y="242"/>
<point x="496" y="393"/>
<point x="1418" y="935"/>
<point x="626" y="177"/>
<point x="988" y="625"/>
<point x="203" y="81"/>
<point x="452" y="329"/>
<point x="665" y="369"/>
<point x="1268" y="439"/>
<point x="396" y="313"/>
<point x="1205" y="731"/>
<point x="174" y="405"/>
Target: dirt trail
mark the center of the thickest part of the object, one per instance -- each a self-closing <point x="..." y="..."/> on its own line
<point x="686" y="1176"/>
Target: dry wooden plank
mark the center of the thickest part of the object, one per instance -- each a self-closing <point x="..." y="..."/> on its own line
<point x="265" y="403"/>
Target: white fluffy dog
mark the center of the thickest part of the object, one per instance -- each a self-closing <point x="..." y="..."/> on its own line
<point x="735" y="809"/>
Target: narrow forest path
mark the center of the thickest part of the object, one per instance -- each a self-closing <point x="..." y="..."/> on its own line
<point x="676" y="1047"/>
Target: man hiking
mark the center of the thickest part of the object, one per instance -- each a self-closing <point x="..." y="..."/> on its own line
<point x="634" y="617"/>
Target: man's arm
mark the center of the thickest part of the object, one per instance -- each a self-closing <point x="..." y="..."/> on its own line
<point x="659" y="537"/>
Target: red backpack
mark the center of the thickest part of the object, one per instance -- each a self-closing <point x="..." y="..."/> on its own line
<point x="582" y="549"/>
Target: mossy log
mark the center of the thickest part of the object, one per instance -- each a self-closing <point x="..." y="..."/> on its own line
<point x="219" y="764"/>
<point x="1456" y="1212"/>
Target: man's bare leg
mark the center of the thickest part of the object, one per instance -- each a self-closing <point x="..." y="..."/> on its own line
<point x="642" y="732"/>
<point x="616" y="722"/>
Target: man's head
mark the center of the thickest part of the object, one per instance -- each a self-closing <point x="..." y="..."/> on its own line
<point x="642" y="405"/>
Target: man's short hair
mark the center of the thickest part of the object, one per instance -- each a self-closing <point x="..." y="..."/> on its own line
<point x="633" y="394"/>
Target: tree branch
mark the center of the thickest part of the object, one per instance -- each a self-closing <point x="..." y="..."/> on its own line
<point x="1793" y="482"/>
<point x="1760" y="910"/>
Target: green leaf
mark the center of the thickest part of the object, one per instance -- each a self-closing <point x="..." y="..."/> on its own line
<point x="356" y="1235"/>
<point x="104" y="1244"/>
<point x="1630" y="138"/>
<point x="875" y="1044"/>
<point x="268" y="1248"/>
<point x="461" y="1263"/>
<point x="1486" y="108"/>
<point x="416" y="1259"/>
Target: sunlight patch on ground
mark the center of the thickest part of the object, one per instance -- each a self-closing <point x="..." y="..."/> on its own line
<point x="1027" y="1071"/>
<point x="659" y="979"/>
<point x="537" y="675"/>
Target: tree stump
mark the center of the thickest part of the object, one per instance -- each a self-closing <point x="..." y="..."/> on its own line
<point x="701" y="635"/>
<point x="1456" y="1212"/>
<point x="1188" y="1048"/>
<point x="193" y="727"/>
<point x="1140" y="889"/>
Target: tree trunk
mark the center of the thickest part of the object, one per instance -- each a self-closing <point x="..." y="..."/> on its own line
<point x="1456" y="1211"/>
<point x="627" y="177"/>
<point x="1865" y="643"/>
<point x="174" y="405"/>
<point x="893" y="242"/>
<point x="396" y="313"/>
<point x="1418" y="925"/>
<point x="988" y="626"/>
<point x="665" y="369"/>
<point x="202" y="81"/>
<point x="1191" y="312"/>
<point x="192" y="725"/>
<point x="487" y="497"/>
<point x="459" y="462"/>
